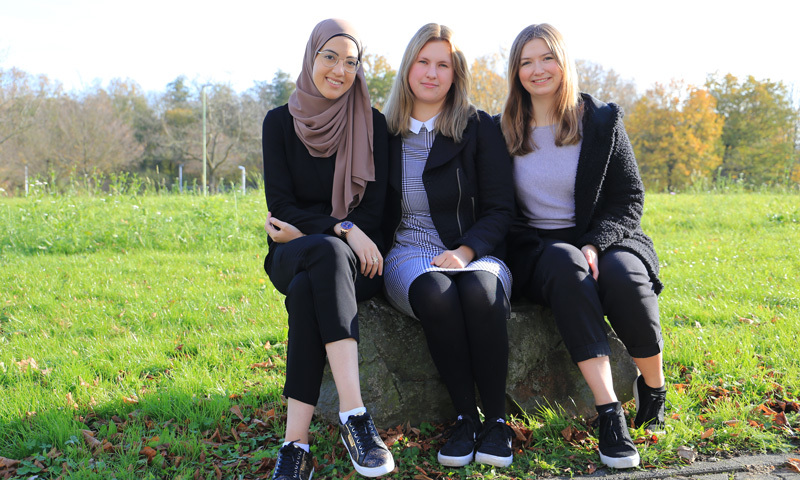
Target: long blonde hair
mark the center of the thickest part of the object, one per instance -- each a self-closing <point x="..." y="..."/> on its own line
<point x="452" y="120"/>
<point x="517" y="119"/>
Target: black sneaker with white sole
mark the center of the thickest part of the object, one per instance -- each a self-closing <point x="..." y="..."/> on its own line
<point x="369" y="454"/>
<point x="649" y="406"/>
<point x="616" y="447"/>
<point x="494" y="444"/>
<point x="460" y="446"/>
<point x="293" y="463"/>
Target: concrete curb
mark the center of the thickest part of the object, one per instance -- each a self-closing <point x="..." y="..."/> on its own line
<point x="767" y="467"/>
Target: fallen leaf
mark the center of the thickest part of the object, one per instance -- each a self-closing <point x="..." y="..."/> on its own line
<point x="765" y="410"/>
<point x="780" y="419"/>
<point x="148" y="452"/>
<point x="794" y="464"/>
<point x="8" y="462"/>
<point x="591" y="468"/>
<point x="264" y="365"/>
<point x="569" y="432"/>
<point x="237" y="411"/>
<point x="217" y="472"/>
<point x="92" y="442"/>
<point x="28" y="362"/>
<point x="730" y="423"/>
<point x="686" y="453"/>
<point x="520" y="436"/>
<point x="707" y="433"/>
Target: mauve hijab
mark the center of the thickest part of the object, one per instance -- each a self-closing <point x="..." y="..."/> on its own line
<point x="342" y="126"/>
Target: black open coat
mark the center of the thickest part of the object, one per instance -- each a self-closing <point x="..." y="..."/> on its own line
<point x="469" y="187"/>
<point x="609" y="197"/>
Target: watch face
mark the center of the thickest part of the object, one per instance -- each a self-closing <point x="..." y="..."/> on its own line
<point x="346" y="225"/>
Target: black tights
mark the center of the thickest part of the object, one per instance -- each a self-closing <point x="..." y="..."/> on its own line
<point x="464" y="319"/>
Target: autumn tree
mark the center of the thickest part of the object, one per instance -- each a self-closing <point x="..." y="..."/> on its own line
<point x="606" y="85"/>
<point x="178" y="136"/>
<point x="132" y="107"/>
<point x="78" y="135"/>
<point x="21" y="97"/>
<point x="489" y="88"/>
<point x="760" y="131"/>
<point x="380" y="77"/>
<point x="272" y="94"/>
<point x="675" y="133"/>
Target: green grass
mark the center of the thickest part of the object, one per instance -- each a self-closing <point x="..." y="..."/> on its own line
<point x="140" y="338"/>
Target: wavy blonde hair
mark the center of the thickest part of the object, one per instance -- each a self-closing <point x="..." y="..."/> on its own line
<point x="517" y="120"/>
<point x="457" y="109"/>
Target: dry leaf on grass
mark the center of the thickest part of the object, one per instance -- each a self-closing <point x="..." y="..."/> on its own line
<point x="686" y="453"/>
<point x="794" y="464"/>
<point x="237" y="411"/>
<point x="8" y="462"/>
<point x="707" y="433"/>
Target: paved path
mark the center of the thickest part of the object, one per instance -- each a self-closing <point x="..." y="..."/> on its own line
<point x="755" y="467"/>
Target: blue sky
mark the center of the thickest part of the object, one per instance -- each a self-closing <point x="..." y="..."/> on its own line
<point x="83" y="42"/>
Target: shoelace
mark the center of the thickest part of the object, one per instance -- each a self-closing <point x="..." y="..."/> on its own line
<point x="364" y="436"/>
<point x="288" y="463"/>
<point x="496" y="434"/>
<point x="657" y="400"/>
<point x="612" y="429"/>
<point x="460" y="431"/>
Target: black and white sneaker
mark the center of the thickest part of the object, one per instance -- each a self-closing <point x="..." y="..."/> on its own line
<point x="369" y="454"/>
<point x="616" y="447"/>
<point x="293" y="463"/>
<point x="460" y="446"/>
<point x="494" y="444"/>
<point x="649" y="405"/>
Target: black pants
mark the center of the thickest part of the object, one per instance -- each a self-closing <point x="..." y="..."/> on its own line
<point x="319" y="276"/>
<point x="623" y="292"/>
<point x="464" y="319"/>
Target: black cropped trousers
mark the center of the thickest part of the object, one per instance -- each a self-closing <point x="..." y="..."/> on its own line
<point x="623" y="293"/>
<point x="319" y="274"/>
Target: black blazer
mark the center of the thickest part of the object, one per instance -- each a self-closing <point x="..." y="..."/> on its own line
<point x="469" y="187"/>
<point x="609" y="197"/>
<point x="298" y="186"/>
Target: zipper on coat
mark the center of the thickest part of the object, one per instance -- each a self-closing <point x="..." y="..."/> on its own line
<point x="474" y="218"/>
<point x="458" y="206"/>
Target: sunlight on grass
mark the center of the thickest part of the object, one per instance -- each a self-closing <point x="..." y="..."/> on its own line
<point x="147" y="323"/>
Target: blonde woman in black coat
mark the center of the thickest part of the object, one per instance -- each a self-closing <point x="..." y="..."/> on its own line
<point x="577" y="245"/>
<point x="449" y="206"/>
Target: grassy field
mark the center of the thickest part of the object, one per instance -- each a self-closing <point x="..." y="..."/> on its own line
<point x="140" y="338"/>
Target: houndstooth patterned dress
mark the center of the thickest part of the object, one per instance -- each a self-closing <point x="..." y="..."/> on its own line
<point x="416" y="240"/>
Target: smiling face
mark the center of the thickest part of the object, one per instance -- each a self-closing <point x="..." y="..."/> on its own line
<point x="333" y="82"/>
<point x="539" y="72"/>
<point x="430" y="78"/>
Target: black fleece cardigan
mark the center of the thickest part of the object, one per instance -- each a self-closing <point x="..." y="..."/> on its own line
<point x="469" y="188"/>
<point x="609" y="197"/>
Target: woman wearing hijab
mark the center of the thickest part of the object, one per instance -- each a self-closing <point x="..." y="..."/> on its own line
<point x="325" y="173"/>
<point x="449" y="205"/>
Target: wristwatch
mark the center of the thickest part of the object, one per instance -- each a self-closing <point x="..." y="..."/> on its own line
<point x="344" y="229"/>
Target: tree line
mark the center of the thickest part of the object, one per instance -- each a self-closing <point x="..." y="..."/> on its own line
<point x="729" y="129"/>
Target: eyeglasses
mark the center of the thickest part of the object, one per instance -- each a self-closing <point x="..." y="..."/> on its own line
<point x="330" y="59"/>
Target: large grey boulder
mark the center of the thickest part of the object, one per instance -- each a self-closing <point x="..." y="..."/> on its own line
<point x="400" y="384"/>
